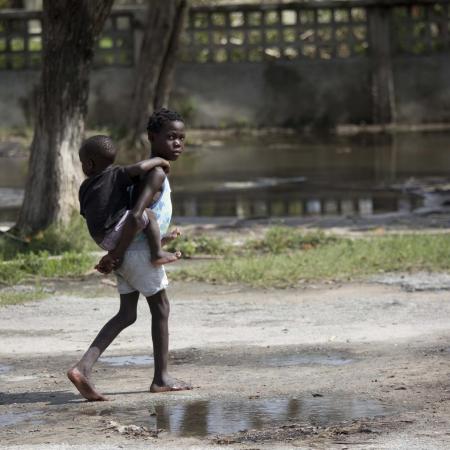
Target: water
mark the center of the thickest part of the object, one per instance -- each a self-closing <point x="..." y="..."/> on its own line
<point x="4" y="368"/>
<point x="211" y="417"/>
<point x="128" y="360"/>
<point x="303" y="360"/>
<point x="13" y="418"/>
<point x="275" y="176"/>
<point x="280" y="360"/>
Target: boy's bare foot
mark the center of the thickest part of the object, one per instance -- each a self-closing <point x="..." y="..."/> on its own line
<point x="169" y="384"/>
<point x="84" y="386"/>
<point x="165" y="258"/>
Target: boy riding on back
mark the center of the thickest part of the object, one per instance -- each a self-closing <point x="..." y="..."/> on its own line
<point x="105" y="197"/>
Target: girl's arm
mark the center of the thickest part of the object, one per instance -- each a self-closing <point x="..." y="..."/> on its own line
<point x="142" y="167"/>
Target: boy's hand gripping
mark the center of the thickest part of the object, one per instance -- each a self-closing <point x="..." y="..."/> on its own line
<point x="164" y="164"/>
<point x="108" y="263"/>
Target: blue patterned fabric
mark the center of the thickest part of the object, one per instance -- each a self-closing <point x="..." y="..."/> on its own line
<point x="163" y="211"/>
<point x="163" y="208"/>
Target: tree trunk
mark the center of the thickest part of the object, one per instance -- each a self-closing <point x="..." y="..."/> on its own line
<point x="70" y="28"/>
<point x="154" y="70"/>
<point x="165" y="80"/>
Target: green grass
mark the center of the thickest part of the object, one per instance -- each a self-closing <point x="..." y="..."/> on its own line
<point x="42" y="265"/>
<point x="282" y="257"/>
<point x="54" y="241"/>
<point x="199" y="245"/>
<point x="54" y="253"/>
<point x="51" y="254"/>
<point x="282" y="239"/>
<point x="16" y="298"/>
<point x="330" y="259"/>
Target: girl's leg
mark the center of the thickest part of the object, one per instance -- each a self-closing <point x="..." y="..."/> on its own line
<point x="81" y="372"/>
<point x="160" y="309"/>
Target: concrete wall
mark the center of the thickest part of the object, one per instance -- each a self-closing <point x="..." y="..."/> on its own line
<point x="422" y="89"/>
<point x="317" y="93"/>
<point x="373" y="82"/>
<point x="276" y="93"/>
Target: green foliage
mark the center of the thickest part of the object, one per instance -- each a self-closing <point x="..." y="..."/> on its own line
<point x="5" y="4"/>
<point x="284" y="239"/>
<point x="8" y="297"/>
<point x="201" y="245"/>
<point x="340" y="258"/>
<point x="36" y="258"/>
<point x="42" y="265"/>
<point x="22" y="134"/>
<point x="54" y="240"/>
<point x="283" y="257"/>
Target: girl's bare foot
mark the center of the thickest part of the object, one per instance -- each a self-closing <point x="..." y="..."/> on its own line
<point x="169" y="384"/>
<point x="165" y="258"/>
<point x="84" y="386"/>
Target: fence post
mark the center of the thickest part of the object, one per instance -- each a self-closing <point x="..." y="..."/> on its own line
<point x="382" y="77"/>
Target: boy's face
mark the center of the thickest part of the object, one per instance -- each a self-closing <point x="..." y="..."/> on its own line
<point x="169" y="142"/>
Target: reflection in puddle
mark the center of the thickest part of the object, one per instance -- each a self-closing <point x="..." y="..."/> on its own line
<point x="128" y="360"/>
<point x="301" y="359"/>
<point x="203" y="418"/>
<point x="12" y="418"/>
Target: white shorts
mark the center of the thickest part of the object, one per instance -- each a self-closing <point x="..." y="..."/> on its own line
<point x="137" y="273"/>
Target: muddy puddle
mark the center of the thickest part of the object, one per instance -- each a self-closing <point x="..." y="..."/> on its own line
<point x="127" y="360"/>
<point x="4" y="368"/>
<point x="13" y="418"/>
<point x="279" y="360"/>
<point x="303" y="360"/>
<point x="220" y="417"/>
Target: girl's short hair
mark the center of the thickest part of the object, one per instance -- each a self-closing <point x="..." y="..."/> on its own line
<point x="160" y="117"/>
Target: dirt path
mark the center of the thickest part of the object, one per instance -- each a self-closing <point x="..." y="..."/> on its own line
<point x="332" y="366"/>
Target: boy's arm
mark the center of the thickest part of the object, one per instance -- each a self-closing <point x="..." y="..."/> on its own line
<point x="152" y="184"/>
<point x="142" y="167"/>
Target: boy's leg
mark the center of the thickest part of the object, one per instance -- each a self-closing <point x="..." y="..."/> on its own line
<point x="158" y="256"/>
<point x="80" y="373"/>
<point x="160" y="309"/>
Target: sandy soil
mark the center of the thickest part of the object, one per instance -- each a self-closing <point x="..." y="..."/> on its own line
<point x="324" y="366"/>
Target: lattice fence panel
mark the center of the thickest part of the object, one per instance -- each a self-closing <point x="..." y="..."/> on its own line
<point x="290" y="32"/>
<point x="21" y="41"/>
<point x="253" y="33"/>
<point x="421" y="29"/>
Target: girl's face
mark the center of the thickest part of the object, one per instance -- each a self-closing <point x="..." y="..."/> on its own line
<point x="169" y="142"/>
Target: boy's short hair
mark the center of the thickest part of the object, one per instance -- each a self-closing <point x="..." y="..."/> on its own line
<point x="99" y="147"/>
<point x="160" y="117"/>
